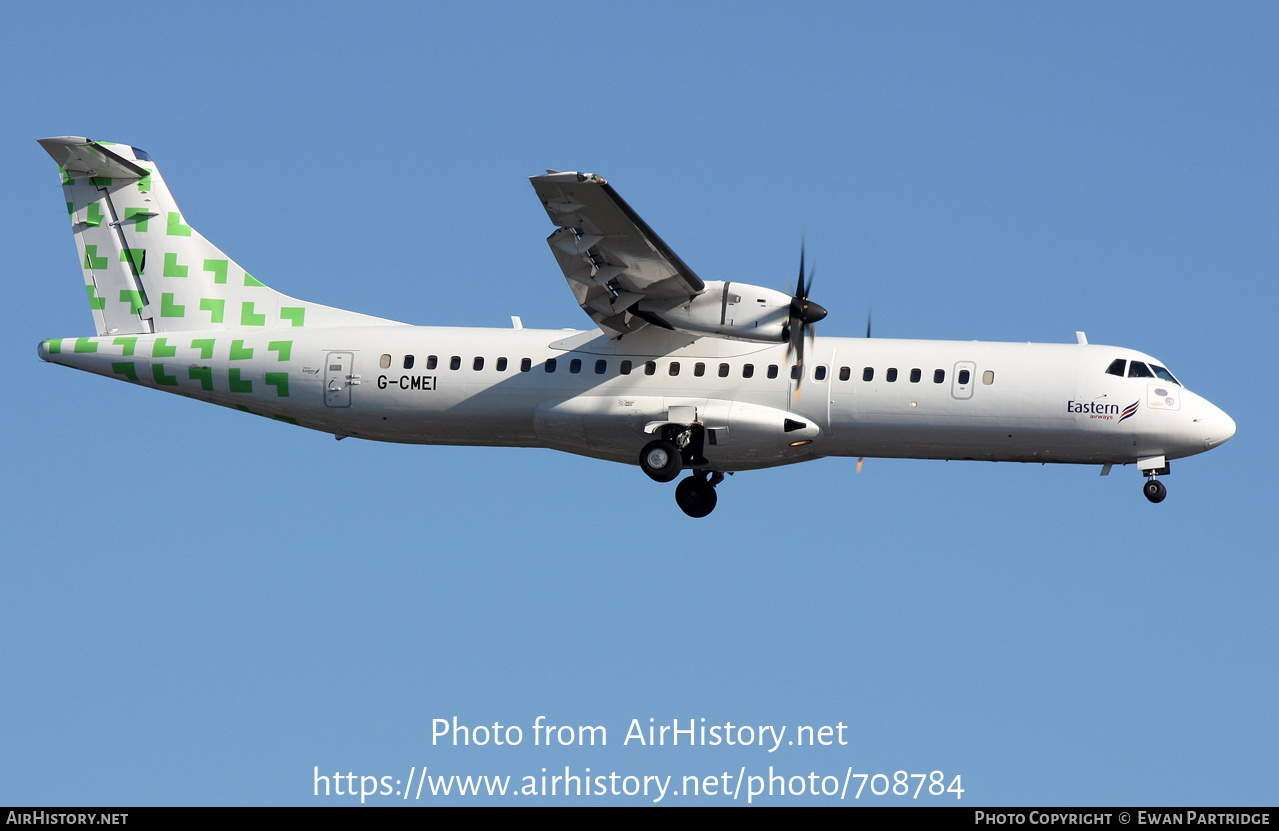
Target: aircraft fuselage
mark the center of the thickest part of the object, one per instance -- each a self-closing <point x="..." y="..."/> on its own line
<point x="584" y="393"/>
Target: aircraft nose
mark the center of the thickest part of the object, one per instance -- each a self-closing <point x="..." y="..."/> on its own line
<point x="1217" y="426"/>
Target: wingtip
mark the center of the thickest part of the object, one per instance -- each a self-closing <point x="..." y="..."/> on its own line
<point x="65" y="140"/>
<point x="569" y="177"/>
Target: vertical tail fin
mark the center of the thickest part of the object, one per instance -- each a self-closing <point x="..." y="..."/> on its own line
<point x="145" y="269"/>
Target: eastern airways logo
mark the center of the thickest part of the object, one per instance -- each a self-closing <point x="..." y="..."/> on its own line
<point x="1102" y="410"/>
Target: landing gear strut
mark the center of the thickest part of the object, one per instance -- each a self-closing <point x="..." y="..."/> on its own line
<point x="1154" y="489"/>
<point x="696" y="494"/>
<point x="681" y="446"/>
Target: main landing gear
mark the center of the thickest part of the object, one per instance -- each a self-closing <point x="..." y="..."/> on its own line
<point x="662" y="460"/>
<point x="696" y="494"/>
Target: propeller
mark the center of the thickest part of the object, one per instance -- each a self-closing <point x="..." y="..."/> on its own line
<point x="803" y="314"/>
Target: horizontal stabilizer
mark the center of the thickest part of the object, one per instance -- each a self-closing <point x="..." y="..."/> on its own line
<point x="83" y="157"/>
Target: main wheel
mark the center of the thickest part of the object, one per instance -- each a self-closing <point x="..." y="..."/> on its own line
<point x="695" y="496"/>
<point x="1155" y="490"/>
<point x="660" y="460"/>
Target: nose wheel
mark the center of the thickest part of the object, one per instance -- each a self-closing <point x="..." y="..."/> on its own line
<point x="1154" y="490"/>
<point x="696" y="494"/>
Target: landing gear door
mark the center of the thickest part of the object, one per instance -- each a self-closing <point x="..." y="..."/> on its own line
<point x="338" y="378"/>
<point x="965" y="377"/>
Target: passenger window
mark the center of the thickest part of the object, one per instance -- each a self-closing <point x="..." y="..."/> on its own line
<point x="601" y="366"/>
<point x="650" y="367"/>
<point x="845" y="373"/>
<point x="748" y="370"/>
<point x="408" y="361"/>
<point x="868" y="374"/>
<point x="385" y="362"/>
<point x="699" y="369"/>
<point x="1137" y="369"/>
<point x="455" y="362"/>
<point x="550" y="364"/>
<point x="795" y="372"/>
<point x="819" y="374"/>
<point x="625" y="368"/>
<point x="772" y="370"/>
<point x="988" y="377"/>
<point x="501" y="364"/>
<point x="477" y="364"/>
<point x="526" y="364"/>
<point x="432" y="361"/>
<point x="964" y="377"/>
<point x="892" y="374"/>
<point x="939" y="376"/>
<point x="1116" y="367"/>
<point x="723" y="370"/>
<point x="575" y="365"/>
<point x="674" y="368"/>
<point x="915" y="375"/>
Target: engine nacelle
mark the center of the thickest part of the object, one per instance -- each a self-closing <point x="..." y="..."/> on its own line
<point x="738" y="311"/>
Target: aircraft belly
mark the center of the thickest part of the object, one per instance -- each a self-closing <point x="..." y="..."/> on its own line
<point x="604" y="427"/>
<point x="941" y="427"/>
<point x="940" y="437"/>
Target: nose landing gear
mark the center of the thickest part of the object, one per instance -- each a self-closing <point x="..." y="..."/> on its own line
<point x="1154" y="467"/>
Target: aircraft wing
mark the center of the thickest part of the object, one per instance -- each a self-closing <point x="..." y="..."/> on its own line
<point x="610" y="256"/>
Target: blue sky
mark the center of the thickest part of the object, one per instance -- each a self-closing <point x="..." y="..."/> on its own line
<point x="201" y="607"/>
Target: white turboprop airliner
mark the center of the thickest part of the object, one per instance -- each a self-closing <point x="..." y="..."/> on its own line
<point x="680" y="374"/>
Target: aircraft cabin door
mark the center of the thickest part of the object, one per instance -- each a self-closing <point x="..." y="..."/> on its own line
<point x="339" y="378"/>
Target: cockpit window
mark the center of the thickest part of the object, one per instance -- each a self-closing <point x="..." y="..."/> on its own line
<point x="1116" y="367"/>
<point x="1139" y="370"/>
<point x="1164" y="374"/>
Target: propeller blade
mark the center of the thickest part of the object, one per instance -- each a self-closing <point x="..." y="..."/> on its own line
<point x="799" y="284"/>
<point x="803" y="314"/>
